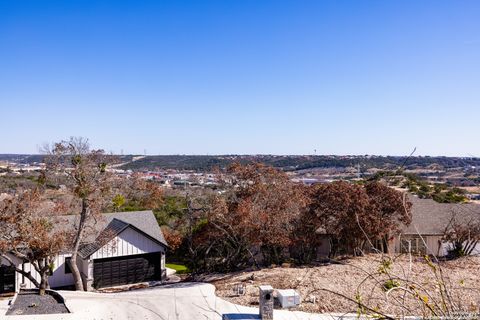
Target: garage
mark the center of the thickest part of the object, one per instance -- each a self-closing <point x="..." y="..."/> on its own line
<point x="117" y="271"/>
<point x="7" y="279"/>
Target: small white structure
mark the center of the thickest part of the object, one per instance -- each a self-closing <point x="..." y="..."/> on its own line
<point x="288" y="298"/>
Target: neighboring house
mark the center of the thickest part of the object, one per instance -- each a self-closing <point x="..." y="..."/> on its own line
<point x="430" y="221"/>
<point x="122" y="248"/>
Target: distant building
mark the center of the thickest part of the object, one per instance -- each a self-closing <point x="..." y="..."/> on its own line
<point x="473" y="196"/>
<point x="182" y="183"/>
<point x="307" y="181"/>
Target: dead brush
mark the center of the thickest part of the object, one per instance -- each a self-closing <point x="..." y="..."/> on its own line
<point x="391" y="287"/>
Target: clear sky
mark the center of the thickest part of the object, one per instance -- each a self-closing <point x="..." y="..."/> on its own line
<point x="245" y="76"/>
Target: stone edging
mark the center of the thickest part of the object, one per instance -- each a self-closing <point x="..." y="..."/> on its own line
<point x="50" y="292"/>
<point x="11" y="302"/>
<point x="58" y="297"/>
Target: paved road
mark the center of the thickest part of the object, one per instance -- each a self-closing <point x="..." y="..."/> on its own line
<point x="181" y="301"/>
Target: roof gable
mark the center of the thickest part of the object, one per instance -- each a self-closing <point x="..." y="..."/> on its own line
<point x="113" y="224"/>
<point x="130" y="241"/>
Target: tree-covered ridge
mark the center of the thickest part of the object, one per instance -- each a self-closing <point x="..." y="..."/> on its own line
<point x="297" y="162"/>
<point x="286" y="162"/>
<point x="440" y="192"/>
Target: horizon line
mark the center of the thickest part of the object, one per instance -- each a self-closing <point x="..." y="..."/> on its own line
<point x="259" y="154"/>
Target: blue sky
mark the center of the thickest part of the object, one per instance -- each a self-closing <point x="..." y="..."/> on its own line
<point x="216" y="77"/>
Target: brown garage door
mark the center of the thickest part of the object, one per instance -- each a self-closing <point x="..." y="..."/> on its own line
<point x="7" y="279"/>
<point x="117" y="271"/>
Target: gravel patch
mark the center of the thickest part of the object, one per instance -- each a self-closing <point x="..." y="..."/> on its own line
<point x="29" y="302"/>
<point x="461" y="276"/>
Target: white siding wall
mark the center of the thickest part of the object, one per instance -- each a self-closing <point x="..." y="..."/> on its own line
<point x="28" y="268"/>
<point x="86" y="271"/>
<point x="58" y="279"/>
<point x="128" y="242"/>
<point x="83" y="267"/>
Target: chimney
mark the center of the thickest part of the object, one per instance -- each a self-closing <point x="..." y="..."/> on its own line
<point x="266" y="302"/>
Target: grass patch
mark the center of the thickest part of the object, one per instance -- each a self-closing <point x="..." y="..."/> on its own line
<point x="180" y="268"/>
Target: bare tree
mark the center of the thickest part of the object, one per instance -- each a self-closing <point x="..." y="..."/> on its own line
<point x="254" y="214"/>
<point x="84" y="172"/>
<point x="272" y="202"/>
<point x="355" y="214"/>
<point x="28" y="233"/>
<point x="463" y="233"/>
<point x="141" y="193"/>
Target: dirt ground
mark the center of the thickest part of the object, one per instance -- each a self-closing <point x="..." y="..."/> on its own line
<point x="350" y="278"/>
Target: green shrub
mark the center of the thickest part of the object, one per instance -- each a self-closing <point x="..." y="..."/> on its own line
<point x="390" y="284"/>
<point x="180" y="268"/>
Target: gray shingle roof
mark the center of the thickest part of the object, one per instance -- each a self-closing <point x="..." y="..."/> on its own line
<point x="142" y="220"/>
<point x="108" y="225"/>
<point x="432" y="218"/>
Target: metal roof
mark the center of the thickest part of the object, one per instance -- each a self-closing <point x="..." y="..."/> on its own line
<point x="113" y="229"/>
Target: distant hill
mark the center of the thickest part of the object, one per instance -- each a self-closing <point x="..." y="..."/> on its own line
<point x="289" y="162"/>
<point x="38" y="158"/>
<point x="297" y="162"/>
<point x="22" y="158"/>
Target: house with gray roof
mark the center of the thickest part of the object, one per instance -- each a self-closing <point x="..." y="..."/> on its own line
<point x="118" y="249"/>
<point x="430" y="222"/>
<point x="425" y="235"/>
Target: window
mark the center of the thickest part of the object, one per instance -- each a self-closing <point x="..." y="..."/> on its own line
<point x="67" y="265"/>
<point x="415" y="244"/>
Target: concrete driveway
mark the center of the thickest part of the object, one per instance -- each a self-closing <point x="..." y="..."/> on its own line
<point x="180" y="301"/>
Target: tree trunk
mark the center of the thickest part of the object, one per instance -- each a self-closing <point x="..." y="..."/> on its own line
<point x="252" y="256"/>
<point x="333" y="248"/>
<point x="77" y="277"/>
<point x="385" y="244"/>
<point x="43" y="283"/>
